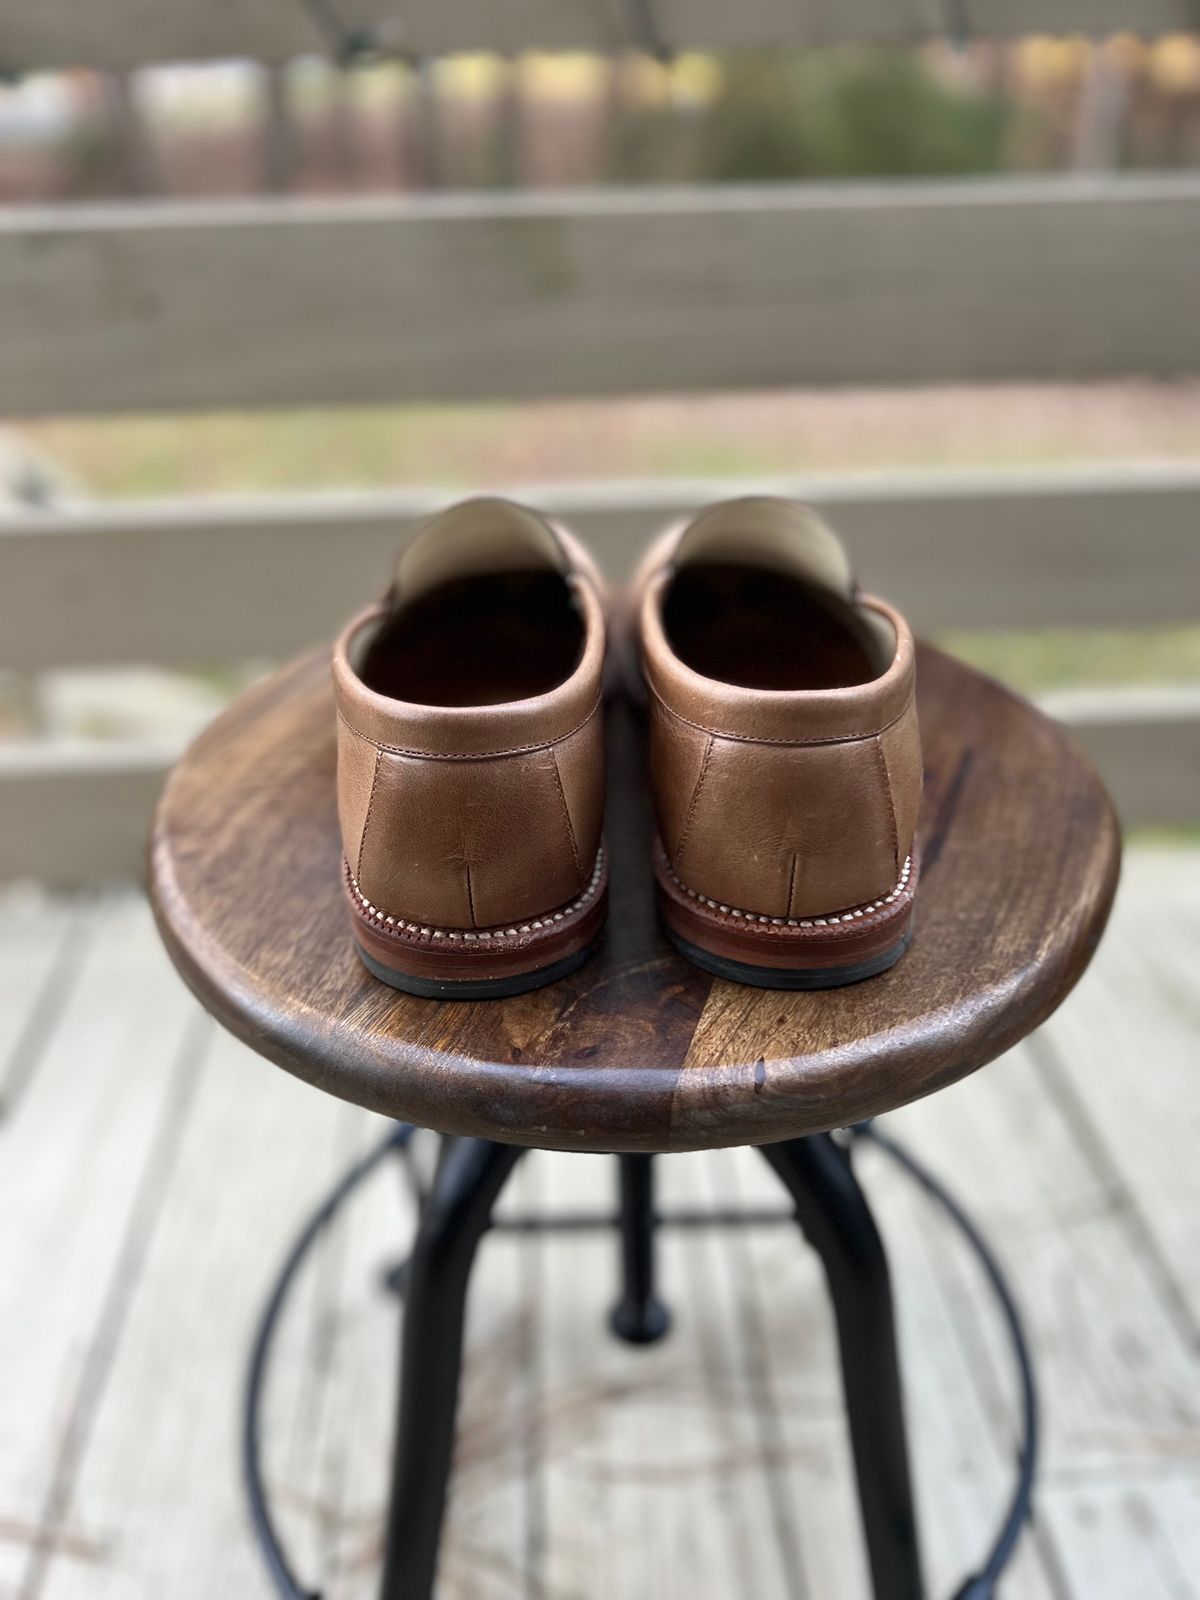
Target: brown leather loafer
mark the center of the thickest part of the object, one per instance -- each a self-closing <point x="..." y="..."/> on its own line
<point x="470" y="758"/>
<point x="784" y="754"/>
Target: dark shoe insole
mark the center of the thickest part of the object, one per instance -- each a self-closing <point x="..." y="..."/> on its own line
<point x="765" y="630"/>
<point x="478" y="641"/>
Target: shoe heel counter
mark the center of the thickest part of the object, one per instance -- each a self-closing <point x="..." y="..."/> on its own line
<point x="471" y="843"/>
<point x="782" y="830"/>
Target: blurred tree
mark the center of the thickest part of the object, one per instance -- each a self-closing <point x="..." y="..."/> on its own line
<point x="846" y="112"/>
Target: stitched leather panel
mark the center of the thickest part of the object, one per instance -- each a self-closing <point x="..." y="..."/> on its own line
<point x="791" y="831"/>
<point x="468" y="844"/>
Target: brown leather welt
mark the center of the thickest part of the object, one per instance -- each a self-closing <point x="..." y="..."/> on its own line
<point x="475" y="755"/>
<point x="793" y="744"/>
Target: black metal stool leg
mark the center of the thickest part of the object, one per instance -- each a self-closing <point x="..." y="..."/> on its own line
<point x="470" y="1176"/>
<point x="836" y="1220"/>
<point x="639" y="1316"/>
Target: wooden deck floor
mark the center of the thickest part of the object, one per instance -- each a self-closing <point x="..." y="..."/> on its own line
<point x="152" y="1172"/>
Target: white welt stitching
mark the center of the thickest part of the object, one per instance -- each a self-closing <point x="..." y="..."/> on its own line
<point x="481" y="936"/>
<point x="801" y="922"/>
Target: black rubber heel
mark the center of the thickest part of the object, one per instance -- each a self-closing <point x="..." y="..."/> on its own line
<point x="794" y="978"/>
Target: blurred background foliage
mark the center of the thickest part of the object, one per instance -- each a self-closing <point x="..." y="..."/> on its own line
<point x="837" y="113"/>
<point x="484" y="121"/>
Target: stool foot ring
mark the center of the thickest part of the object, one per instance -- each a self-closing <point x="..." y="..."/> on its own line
<point x="834" y="1216"/>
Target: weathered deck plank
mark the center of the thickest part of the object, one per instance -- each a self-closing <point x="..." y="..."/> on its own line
<point x="1123" y="1059"/>
<point x="38" y="959"/>
<point x="157" y="1172"/>
<point x="1133" y="1539"/>
<point x="161" y="1477"/>
<point x="799" y="1428"/>
<point x="656" y="1480"/>
<point x="82" y="1161"/>
<point x="1110" y="1354"/>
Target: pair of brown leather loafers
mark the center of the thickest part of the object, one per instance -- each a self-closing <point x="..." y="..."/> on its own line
<point x="784" y="756"/>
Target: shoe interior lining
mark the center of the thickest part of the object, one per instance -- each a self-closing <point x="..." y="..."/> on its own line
<point x="759" y="629"/>
<point x="477" y="641"/>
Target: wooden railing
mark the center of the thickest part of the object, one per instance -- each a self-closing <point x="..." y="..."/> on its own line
<point x="130" y="33"/>
<point x="128" y="307"/>
<point x="293" y="302"/>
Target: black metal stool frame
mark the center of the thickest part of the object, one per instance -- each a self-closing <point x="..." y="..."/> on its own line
<point x="457" y="1209"/>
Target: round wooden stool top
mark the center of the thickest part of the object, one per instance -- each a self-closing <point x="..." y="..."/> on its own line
<point x="638" y="1050"/>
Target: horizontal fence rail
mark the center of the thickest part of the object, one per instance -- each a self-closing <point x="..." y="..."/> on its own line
<point x="130" y="33"/>
<point x="215" y="581"/>
<point x="1144" y="742"/>
<point x="76" y="813"/>
<point x="133" y="307"/>
<point x="190" y="582"/>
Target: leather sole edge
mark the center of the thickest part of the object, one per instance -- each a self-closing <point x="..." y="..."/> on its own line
<point x="500" y="988"/>
<point x="813" y="953"/>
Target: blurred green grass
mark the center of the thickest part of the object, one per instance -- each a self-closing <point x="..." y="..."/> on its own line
<point x="765" y="434"/>
<point x="1059" y="658"/>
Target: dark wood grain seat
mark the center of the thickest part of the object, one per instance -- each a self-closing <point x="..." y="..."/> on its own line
<point x="638" y="1050"/>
